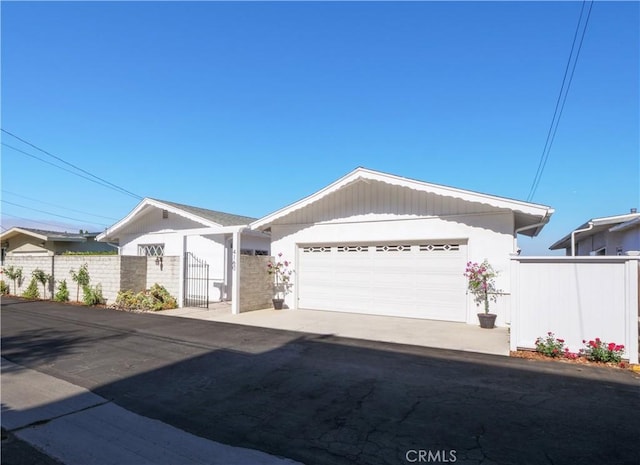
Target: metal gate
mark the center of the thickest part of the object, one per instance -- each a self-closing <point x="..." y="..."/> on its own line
<point x="196" y="281"/>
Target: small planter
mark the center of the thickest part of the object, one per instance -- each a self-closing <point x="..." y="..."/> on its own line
<point x="278" y="303"/>
<point x="487" y="320"/>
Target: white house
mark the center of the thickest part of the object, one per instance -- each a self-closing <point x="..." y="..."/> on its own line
<point x="200" y="237"/>
<point x="611" y="235"/>
<point x="376" y="243"/>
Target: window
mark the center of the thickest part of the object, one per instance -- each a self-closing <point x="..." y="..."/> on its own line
<point x="253" y="252"/>
<point x="165" y="214"/>
<point x="151" y="250"/>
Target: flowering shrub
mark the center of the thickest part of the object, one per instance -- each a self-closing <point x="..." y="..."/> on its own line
<point x="551" y="346"/>
<point x="482" y="284"/>
<point x="282" y="275"/>
<point x="600" y="351"/>
<point x="595" y="351"/>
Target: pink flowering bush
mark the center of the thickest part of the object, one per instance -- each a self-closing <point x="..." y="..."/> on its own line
<point x="595" y="350"/>
<point x="282" y="275"/>
<point x="600" y="351"/>
<point x="482" y="283"/>
<point x="551" y="346"/>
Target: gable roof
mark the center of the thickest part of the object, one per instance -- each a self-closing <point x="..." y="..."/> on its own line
<point x="220" y="218"/>
<point x="606" y="223"/>
<point x="45" y="235"/>
<point x="206" y="217"/>
<point x="526" y="214"/>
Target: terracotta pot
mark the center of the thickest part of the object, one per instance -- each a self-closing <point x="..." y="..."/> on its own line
<point x="278" y="303"/>
<point x="487" y="320"/>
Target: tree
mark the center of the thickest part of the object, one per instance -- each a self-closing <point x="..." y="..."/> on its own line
<point x="14" y="274"/>
<point x="81" y="278"/>
<point x="43" y="278"/>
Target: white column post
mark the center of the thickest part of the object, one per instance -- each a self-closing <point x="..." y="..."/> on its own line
<point x="183" y="250"/>
<point x="235" y="267"/>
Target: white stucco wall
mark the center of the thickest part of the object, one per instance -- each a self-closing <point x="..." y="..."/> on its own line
<point x="488" y="235"/>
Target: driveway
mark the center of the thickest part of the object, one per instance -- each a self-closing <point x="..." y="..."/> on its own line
<point x="327" y="399"/>
<point x="411" y="331"/>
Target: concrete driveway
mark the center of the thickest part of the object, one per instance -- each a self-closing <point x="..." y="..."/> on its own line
<point x="425" y="333"/>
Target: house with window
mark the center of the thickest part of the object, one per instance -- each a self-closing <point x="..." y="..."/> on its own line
<point x="204" y="243"/>
<point x="30" y="242"/>
<point x="610" y="235"/>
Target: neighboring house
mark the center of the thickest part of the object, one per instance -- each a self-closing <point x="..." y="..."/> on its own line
<point x="611" y="235"/>
<point x="376" y="243"/>
<point x="24" y="242"/>
<point x="196" y="235"/>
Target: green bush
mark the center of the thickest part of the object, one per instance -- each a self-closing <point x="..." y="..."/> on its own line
<point x="63" y="292"/>
<point x="154" y="299"/>
<point x="92" y="295"/>
<point x="31" y="292"/>
<point x="4" y="288"/>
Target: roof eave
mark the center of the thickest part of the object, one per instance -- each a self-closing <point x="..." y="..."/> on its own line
<point x="536" y="212"/>
<point x="111" y="233"/>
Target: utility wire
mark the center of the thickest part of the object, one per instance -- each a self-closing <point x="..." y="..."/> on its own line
<point x="114" y="186"/>
<point x="57" y="166"/>
<point x="46" y="212"/>
<point x="57" y="226"/>
<point x="560" y="102"/>
<point x="58" y="206"/>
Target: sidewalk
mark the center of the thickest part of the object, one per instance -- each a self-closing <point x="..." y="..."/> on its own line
<point x="76" y="427"/>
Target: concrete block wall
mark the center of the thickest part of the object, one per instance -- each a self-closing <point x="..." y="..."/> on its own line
<point x="167" y="274"/>
<point x="256" y="285"/>
<point x="112" y="272"/>
<point x="103" y="270"/>
<point x="28" y="265"/>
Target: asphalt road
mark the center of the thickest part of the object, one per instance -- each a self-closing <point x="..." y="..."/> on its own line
<point x="328" y="400"/>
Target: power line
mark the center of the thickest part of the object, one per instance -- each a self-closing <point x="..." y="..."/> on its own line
<point x="560" y="101"/>
<point x="32" y="221"/>
<point x="57" y="166"/>
<point x="46" y="212"/>
<point x="59" y="206"/>
<point x="114" y="186"/>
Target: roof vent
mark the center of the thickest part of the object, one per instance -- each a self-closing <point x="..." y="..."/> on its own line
<point x="634" y="210"/>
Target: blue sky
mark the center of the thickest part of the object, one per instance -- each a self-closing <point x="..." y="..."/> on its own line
<point x="247" y="107"/>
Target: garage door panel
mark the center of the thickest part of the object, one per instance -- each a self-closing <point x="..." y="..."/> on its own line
<point x="411" y="280"/>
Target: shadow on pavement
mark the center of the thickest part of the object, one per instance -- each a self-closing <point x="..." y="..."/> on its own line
<point x="330" y="400"/>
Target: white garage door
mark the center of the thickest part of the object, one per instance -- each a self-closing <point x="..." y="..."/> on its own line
<point x="423" y="280"/>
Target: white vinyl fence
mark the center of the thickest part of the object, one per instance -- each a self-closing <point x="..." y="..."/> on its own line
<point x="576" y="298"/>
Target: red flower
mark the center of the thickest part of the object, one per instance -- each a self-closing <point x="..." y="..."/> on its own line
<point x="560" y="340"/>
<point x="611" y="346"/>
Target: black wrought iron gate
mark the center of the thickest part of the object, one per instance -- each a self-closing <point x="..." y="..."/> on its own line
<point x="196" y="281"/>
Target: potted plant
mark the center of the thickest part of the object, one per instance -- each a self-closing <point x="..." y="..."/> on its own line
<point x="281" y="281"/>
<point x="482" y="285"/>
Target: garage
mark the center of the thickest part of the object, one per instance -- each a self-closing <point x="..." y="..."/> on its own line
<point x="381" y="244"/>
<point x="407" y="279"/>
